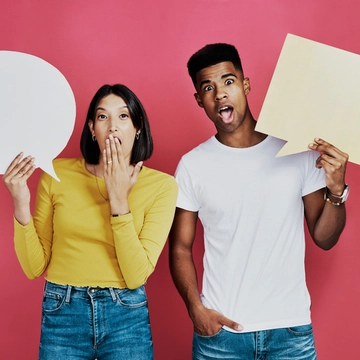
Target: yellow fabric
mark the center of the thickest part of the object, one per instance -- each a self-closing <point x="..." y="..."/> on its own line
<point x="73" y="237"/>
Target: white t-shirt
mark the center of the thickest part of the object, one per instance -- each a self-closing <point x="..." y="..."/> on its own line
<point x="250" y="205"/>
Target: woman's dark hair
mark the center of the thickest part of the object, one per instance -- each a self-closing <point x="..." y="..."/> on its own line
<point x="143" y="147"/>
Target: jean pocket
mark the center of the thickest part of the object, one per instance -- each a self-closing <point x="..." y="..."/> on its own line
<point x="302" y="330"/>
<point x="212" y="336"/>
<point x="52" y="301"/>
<point x="131" y="298"/>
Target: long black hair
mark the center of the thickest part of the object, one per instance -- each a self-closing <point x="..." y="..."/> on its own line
<point x="143" y="146"/>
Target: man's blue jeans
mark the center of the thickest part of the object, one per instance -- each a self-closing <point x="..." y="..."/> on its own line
<point x="95" y="323"/>
<point x="296" y="343"/>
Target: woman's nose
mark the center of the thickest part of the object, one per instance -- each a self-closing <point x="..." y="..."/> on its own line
<point x="112" y="126"/>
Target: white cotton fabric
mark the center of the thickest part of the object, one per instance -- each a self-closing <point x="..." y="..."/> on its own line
<point x="250" y="205"/>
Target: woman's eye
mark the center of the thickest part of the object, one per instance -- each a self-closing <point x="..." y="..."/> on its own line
<point x="124" y="116"/>
<point x="101" y="116"/>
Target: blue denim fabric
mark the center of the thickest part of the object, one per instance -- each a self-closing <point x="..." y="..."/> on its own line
<point x="295" y="343"/>
<point x="95" y="323"/>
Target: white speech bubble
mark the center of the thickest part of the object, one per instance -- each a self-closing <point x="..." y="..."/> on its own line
<point x="37" y="110"/>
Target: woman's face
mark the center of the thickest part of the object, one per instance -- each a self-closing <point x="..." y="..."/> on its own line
<point x="112" y="117"/>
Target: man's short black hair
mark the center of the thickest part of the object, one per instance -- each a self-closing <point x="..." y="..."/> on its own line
<point x="213" y="54"/>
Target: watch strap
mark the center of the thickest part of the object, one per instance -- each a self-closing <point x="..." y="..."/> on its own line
<point x="336" y="200"/>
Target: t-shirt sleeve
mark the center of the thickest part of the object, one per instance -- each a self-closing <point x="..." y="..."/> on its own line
<point x="314" y="177"/>
<point x="187" y="198"/>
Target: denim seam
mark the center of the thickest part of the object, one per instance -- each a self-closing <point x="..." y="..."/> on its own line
<point x="68" y="293"/>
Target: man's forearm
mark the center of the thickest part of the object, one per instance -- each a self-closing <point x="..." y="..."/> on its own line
<point x="184" y="275"/>
<point x="329" y="226"/>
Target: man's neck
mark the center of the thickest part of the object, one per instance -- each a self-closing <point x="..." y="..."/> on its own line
<point x="243" y="137"/>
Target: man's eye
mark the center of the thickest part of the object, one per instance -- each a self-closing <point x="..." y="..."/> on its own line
<point x="229" y="81"/>
<point x="208" y="88"/>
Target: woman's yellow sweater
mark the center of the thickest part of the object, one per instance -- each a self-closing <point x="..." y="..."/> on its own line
<point x="73" y="237"/>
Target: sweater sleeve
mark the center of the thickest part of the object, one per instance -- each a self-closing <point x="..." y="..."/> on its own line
<point x="33" y="241"/>
<point x="137" y="254"/>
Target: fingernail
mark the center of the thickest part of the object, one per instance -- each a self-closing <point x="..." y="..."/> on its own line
<point x="240" y="328"/>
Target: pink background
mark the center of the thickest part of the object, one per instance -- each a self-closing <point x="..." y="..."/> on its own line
<point x="145" y="45"/>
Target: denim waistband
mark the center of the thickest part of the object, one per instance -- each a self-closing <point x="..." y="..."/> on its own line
<point x="67" y="290"/>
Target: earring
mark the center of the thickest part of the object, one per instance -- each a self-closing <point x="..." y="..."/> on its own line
<point x="93" y="137"/>
<point x="137" y="136"/>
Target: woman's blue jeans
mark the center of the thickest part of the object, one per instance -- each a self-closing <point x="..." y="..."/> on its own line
<point x="95" y="323"/>
<point x="295" y="343"/>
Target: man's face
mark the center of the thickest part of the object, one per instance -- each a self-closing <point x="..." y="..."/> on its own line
<point x="221" y="91"/>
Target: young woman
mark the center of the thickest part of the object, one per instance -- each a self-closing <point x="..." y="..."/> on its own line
<point x="97" y="233"/>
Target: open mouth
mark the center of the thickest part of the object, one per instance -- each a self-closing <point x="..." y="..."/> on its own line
<point x="118" y="139"/>
<point x="226" y="113"/>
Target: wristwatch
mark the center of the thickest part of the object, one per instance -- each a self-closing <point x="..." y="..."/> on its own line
<point x="335" y="199"/>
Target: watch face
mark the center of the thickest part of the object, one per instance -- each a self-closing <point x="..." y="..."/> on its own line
<point x="345" y="194"/>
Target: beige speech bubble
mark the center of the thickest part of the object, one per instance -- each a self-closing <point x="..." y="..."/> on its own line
<point x="314" y="92"/>
<point x="37" y="110"/>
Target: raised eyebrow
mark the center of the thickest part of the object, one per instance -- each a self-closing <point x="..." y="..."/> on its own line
<point x="204" y="82"/>
<point x="100" y="108"/>
<point x="222" y="77"/>
<point x="103" y="109"/>
<point x="227" y="75"/>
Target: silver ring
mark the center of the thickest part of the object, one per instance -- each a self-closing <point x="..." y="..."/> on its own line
<point x="109" y="162"/>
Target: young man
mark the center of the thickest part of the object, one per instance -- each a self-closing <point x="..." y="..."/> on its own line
<point x="254" y="302"/>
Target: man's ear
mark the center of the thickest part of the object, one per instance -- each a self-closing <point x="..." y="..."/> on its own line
<point x="198" y="100"/>
<point x="246" y="84"/>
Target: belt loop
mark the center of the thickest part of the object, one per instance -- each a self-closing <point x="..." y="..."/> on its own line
<point x="112" y="293"/>
<point x="68" y="293"/>
<point x="45" y="283"/>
